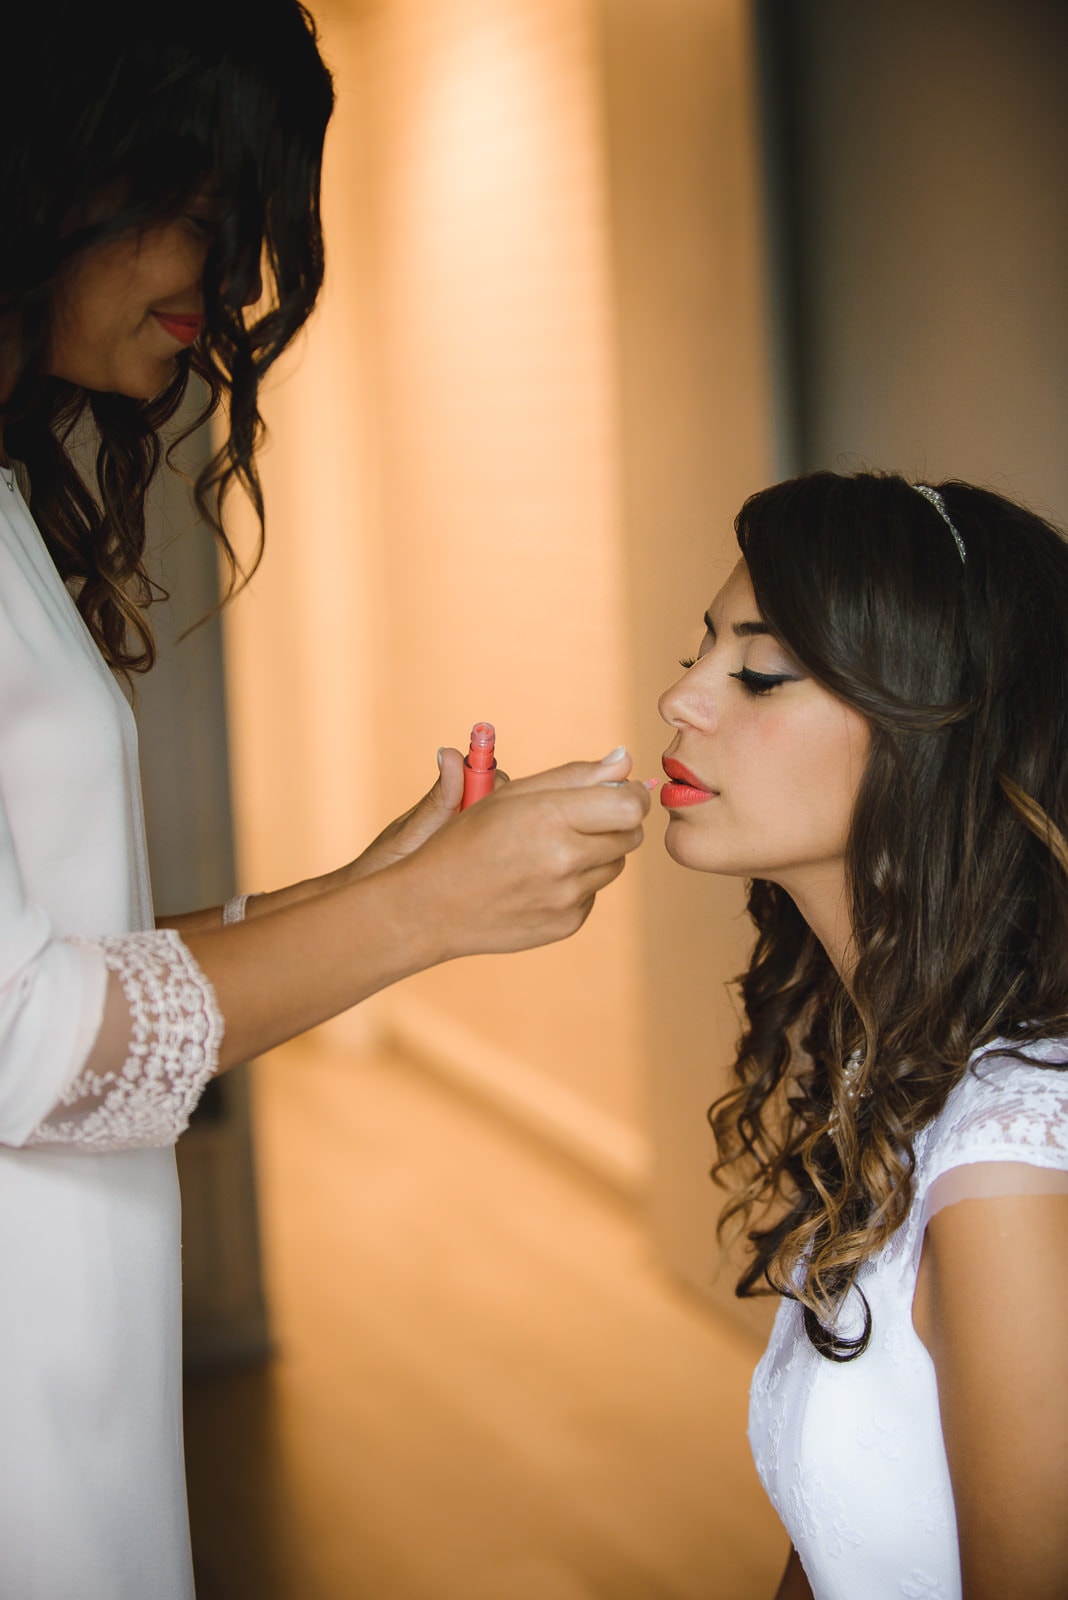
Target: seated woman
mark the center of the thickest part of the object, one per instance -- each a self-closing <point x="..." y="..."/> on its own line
<point x="875" y="734"/>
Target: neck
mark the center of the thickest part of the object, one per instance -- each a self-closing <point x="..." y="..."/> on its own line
<point x="822" y="902"/>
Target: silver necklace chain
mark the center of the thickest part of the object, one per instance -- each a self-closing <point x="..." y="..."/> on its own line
<point x="9" y="478"/>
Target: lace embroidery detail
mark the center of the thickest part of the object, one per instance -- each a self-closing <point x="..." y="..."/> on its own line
<point x="932" y="1510"/>
<point x="921" y="1586"/>
<point x="772" y="1391"/>
<point x="815" y="1514"/>
<point x="901" y="1342"/>
<point x="1005" y="1105"/>
<point x="174" y="1050"/>
<point x="881" y="1433"/>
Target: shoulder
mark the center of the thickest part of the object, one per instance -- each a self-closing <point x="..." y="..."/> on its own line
<point x="1003" y="1109"/>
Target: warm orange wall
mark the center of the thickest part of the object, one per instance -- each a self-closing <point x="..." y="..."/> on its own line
<point x="503" y="576"/>
<point x="501" y="485"/>
<point x="468" y="181"/>
<point x="303" y="654"/>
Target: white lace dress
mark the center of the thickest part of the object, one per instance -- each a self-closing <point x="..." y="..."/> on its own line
<point x="851" y="1454"/>
<point x="92" y="1492"/>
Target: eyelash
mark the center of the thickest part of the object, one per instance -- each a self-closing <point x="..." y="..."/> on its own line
<point x="752" y="682"/>
<point x="759" y="682"/>
<point x="206" y="227"/>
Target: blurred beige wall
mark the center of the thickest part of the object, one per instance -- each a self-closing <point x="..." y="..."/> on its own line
<point x="934" y="241"/>
<point x="503" y="469"/>
<point x="507" y="454"/>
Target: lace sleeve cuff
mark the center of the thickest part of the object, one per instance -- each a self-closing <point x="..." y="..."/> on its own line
<point x="176" y="1032"/>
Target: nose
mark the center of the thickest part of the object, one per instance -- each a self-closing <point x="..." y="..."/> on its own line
<point x="688" y="703"/>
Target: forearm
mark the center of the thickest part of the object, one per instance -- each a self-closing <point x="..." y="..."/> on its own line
<point x="193" y="996"/>
<point x="177" y="1010"/>
<point x="305" y="958"/>
<point x="210" y="918"/>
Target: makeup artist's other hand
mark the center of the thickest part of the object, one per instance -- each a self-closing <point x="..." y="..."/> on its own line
<point x="523" y="866"/>
<point x="419" y="822"/>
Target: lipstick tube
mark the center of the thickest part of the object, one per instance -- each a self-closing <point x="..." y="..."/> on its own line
<point x="479" y="764"/>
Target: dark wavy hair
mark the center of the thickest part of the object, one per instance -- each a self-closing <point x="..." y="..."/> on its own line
<point x="114" y="116"/>
<point x="957" y="861"/>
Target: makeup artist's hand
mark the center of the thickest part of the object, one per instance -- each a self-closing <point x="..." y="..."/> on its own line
<point x="406" y="833"/>
<point x="523" y="866"/>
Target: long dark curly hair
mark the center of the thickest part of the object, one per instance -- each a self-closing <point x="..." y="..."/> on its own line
<point x="957" y="861"/>
<point x="114" y="116"/>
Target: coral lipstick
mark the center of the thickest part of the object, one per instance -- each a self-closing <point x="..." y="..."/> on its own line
<point x="479" y="764"/>
<point x="684" y="789"/>
<point x="186" y="329"/>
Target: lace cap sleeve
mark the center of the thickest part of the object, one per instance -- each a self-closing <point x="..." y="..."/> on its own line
<point x="1003" y="1111"/>
<point x="176" y="1032"/>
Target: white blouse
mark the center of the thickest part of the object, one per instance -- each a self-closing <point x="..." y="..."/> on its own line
<point x="851" y="1453"/>
<point x="92" y="1491"/>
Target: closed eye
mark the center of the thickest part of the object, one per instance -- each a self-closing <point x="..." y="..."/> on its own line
<point x="207" y="227"/>
<point x="761" y="682"/>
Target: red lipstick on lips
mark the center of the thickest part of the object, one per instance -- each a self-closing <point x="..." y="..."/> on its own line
<point x="186" y="329"/>
<point x="684" y="789"/>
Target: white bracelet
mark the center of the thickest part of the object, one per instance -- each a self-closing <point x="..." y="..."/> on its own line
<point x="234" y="909"/>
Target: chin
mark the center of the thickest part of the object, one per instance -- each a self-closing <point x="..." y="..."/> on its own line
<point x="149" y="385"/>
<point x="689" y="850"/>
<point x="698" y="853"/>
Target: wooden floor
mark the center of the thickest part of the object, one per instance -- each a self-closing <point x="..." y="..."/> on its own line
<point x="484" y="1388"/>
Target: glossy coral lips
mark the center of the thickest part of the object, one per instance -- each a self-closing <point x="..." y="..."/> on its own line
<point x="683" y="789"/>
<point x="186" y="329"/>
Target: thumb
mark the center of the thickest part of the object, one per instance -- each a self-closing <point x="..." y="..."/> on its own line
<point x="449" y="789"/>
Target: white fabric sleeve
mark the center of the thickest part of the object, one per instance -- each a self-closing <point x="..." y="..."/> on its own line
<point x="51" y="1006"/>
<point x="51" y="1002"/>
<point x="986" y="1180"/>
<point x="1004" y="1131"/>
<point x="176" y="1032"/>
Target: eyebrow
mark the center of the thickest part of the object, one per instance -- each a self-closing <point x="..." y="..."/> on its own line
<point x="741" y="630"/>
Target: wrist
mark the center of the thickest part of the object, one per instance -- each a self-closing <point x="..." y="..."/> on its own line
<point x="234" y="909"/>
<point x="419" y="909"/>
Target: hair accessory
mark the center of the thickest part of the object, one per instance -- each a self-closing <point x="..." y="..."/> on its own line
<point x="852" y="1067"/>
<point x="234" y="909"/>
<point x="933" y="498"/>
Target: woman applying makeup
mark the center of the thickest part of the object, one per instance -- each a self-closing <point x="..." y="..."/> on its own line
<point x="159" y="171"/>
<point x="875" y="736"/>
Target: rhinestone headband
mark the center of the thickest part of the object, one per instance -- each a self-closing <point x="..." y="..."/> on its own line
<point x="933" y="498"/>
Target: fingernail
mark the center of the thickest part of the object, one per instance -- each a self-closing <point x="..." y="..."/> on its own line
<point x="614" y="783"/>
<point x="439" y="758"/>
<point x="613" y="756"/>
<point x="650" y="783"/>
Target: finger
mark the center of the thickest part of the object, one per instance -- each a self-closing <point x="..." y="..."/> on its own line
<point x="573" y="866"/>
<point x="597" y="878"/>
<point x="586" y="891"/>
<point x="600" y="849"/>
<point x="604" y="810"/>
<point x="578" y="774"/>
<point x="451" y="782"/>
